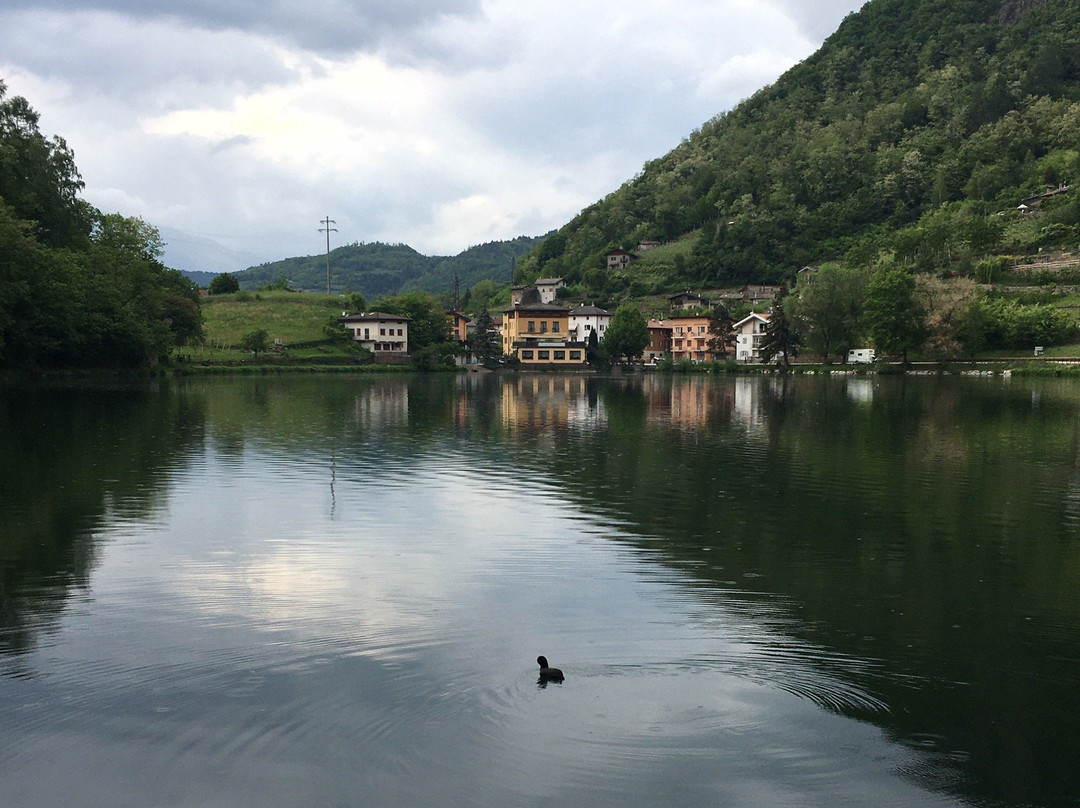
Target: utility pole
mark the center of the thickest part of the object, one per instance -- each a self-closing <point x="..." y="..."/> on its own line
<point x="328" y="230"/>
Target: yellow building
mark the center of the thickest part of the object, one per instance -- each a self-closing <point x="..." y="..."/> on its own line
<point x="539" y="334"/>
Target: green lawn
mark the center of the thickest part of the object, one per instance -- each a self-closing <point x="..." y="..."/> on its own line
<point x="291" y="317"/>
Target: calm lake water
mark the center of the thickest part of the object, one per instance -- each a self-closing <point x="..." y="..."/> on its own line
<point x="331" y="591"/>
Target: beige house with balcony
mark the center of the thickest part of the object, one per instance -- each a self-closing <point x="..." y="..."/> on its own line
<point x="385" y="335"/>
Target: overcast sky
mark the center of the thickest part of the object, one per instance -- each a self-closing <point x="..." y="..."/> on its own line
<point x="235" y="127"/>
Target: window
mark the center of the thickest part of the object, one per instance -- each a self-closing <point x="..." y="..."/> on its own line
<point x="532" y="327"/>
<point x="555" y="327"/>
<point x="575" y="355"/>
<point x="560" y="354"/>
<point x="526" y="354"/>
<point x="700" y="329"/>
<point x="399" y="332"/>
<point x="382" y="332"/>
<point x="367" y="333"/>
<point x="678" y="329"/>
<point x="588" y="328"/>
<point x="543" y="326"/>
<point x="543" y="354"/>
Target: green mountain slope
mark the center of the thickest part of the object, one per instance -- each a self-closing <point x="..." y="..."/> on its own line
<point x="385" y="269"/>
<point x="916" y="130"/>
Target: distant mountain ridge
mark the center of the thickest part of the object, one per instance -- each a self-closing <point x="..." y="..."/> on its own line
<point x="378" y="269"/>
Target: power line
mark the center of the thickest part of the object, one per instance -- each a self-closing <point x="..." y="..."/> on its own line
<point x="326" y="228"/>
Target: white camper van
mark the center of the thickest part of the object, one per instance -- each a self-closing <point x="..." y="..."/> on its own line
<point x="861" y="356"/>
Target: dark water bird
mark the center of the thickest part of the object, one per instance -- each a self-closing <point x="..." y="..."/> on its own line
<point x="547" y="673"/>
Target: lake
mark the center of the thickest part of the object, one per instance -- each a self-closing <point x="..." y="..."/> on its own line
<point x="331" y="591"/>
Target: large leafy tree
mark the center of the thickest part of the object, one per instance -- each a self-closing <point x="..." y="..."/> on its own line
<point x="223" y="284"/>
<point x="38" y="177"/>
<point x="627" y="334"/>
<point x="891" y="312"/>
<point x="826" y="306"/>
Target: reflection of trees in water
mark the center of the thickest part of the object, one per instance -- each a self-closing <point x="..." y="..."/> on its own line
<point x="69" y="458"/>
<point x="928" y="523"/>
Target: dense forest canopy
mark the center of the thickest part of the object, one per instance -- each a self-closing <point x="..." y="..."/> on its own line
<point x="916" y="131"/>
<point x="78" y="288"/>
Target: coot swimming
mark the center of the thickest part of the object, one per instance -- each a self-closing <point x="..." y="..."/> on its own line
<point x="548" y="673"/>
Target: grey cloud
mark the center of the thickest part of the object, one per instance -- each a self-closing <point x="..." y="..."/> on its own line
<point x="818" y="19"/>
<point x="151" y="66"/>
<point x="322" y="26"/>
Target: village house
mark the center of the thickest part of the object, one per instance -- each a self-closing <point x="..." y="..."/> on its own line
<point x="586" y="320"/>
<point x="539" y="334"/>
<point x="385" y="335"/>
<point x="459" y="326"/>
<point x="690" y="337"/>
<point x="748" y="334"/>
<point x="659" y="342"/>
<point x="549" y="288"/>
<point x="688" y="300"/>
<point x="618" y="259"/>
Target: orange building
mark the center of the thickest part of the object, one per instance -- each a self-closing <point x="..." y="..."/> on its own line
<point x="459" y="325"/>
<point x="690" y="337"/>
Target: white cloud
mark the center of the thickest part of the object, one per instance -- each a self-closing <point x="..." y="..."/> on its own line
<point x="452" y="125"/>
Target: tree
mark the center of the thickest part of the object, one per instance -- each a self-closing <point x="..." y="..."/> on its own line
<point x="255" y="341"/>
<point x="38" y="177"/>
<point x="485" y="340"/>
<point x="428" y="323"/>
<point x="593" y="354"/>
<point x="780" y="339"/>
<point x="223" y="284"/>
<point x="627" y="334"/>
<point x="357" y="302"/>
<point x="945" y="304"/>
<point x="720" y="333"/>
<point x="826" y="306"/>
<point x="891" y="313"/>
<point x="128" y="234"/>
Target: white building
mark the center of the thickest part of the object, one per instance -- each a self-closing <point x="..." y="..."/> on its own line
<point x="549" y="288"/>
<point x="382" y="334"/>
<point x="748" y="334"/>
<point x="586" y="319"/>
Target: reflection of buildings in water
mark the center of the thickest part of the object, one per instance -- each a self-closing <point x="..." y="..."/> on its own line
<point x="749" y="401"/>
<point x="689" y="401"/>
<point x="861" y="391"/>
<point x="541" y="401"/>
<point x="384" y="403"/>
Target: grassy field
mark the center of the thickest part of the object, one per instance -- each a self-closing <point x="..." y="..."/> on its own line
<point x="297" y="319"/>
<point x="294" y="318"/>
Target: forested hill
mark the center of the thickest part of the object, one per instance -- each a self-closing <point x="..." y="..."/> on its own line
<point x="915" y="132"/>
<point x="386" y="269"/>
